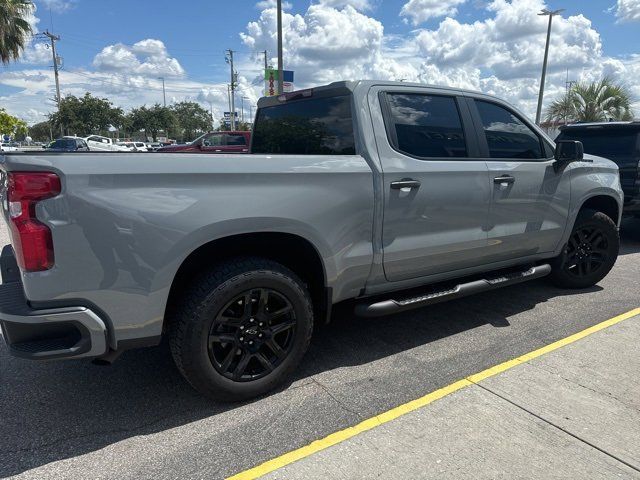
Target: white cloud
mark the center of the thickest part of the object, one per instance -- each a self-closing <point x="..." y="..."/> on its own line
<point x="628" y="10"/>
<point x="501" y="55"/>
<point x="419" y="11"/>
<point x="58" y="6"/>
<point x="38" y="53"/>
<point x="146" y="58"/>
<point x="357" y="4"/>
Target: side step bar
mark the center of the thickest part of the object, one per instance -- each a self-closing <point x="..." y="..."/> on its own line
<point x="387" y="307"/>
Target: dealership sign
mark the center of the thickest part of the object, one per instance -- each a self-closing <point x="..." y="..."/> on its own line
<point x="271" y="82"/>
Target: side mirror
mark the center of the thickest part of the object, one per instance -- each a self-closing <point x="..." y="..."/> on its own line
<point x="568" y="151"/>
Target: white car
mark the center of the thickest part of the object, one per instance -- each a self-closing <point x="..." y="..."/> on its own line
<point x="7" y="147"/>
<point x="97" y="143"/>
<point x="133" y="146"/>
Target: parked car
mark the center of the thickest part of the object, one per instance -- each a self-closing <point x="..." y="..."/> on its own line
<point x="619" y="142"/>
<point x="97" y="143"/>
<point x="380" y="187"/>
<point x="214" y="142"/>
<point x="153" y="147"/>
<point x="133" y="146"/>
<point x="7" y="147"/>
<point x="68" y="144"/>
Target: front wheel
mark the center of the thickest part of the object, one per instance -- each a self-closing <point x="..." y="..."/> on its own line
<point x="242" y="329"/>
<point x="589" y="254"/>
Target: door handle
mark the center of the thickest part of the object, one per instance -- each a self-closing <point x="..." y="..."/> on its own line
<point x="504" y="179"/>
<point x="405" y="183"/>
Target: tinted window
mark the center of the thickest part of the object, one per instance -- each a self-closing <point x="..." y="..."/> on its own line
<point x="236" y="140"/>
<point x="63" y="143"/>
<point x="604" y="142"/>
<point x="507" y="135"/>
<point x="426" y="125"/>
<point x="320" y="126"/>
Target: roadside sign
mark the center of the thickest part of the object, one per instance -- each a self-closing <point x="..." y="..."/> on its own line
<point x="271" y="81"/>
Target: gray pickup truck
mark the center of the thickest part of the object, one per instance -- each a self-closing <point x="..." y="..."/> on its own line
<point x="391" y="195"/>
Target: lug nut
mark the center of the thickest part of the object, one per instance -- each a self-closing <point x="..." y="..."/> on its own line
<point x="252" y="320"/>
<point x="260" y="324"/>
<point x="250" y="342"/>
<point x="241" y="338"/>
<point x="241" y="327"/>
<point x="259" y="335"/>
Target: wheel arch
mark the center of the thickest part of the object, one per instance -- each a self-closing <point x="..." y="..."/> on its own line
<point x="605" y="204"/>
<point x="293" y="251"/>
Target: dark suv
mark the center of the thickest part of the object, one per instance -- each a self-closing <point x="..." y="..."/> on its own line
<point x="619" y="142"/>
<point x="68" y="144"/>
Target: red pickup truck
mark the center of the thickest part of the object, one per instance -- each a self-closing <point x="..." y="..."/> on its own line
<point x="214" y="142"/>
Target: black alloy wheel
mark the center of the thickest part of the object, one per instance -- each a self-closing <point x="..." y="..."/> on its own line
<point x="587" y="251"/>
<point x="252" y="334"/>
<point x="589" y="254"/>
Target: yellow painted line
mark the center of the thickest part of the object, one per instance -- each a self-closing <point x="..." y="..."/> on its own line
<point x="399" y="411"/>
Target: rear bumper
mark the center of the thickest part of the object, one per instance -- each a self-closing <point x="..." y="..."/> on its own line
<point x="43" y="334"/>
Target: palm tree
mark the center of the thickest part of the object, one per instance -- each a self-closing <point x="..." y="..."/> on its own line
<point x="592" y="102"/>
<point x="14" y="28"/>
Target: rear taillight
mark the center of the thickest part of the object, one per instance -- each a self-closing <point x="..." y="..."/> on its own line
<point x="31" y="238"/>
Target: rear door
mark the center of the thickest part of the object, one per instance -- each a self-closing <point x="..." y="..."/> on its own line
<point x="529" y="199"/>
<point x="436" y="188"/>
<point x="236" y="143"/>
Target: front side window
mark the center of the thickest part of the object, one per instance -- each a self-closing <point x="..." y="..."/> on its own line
<point x="315" y="126"/>
<point x="507" y="136"/>
<point x="212" y="140"/>
<point x="426" y="126"/>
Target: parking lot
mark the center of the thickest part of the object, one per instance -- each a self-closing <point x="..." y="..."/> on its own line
<point x="139" y="418"/>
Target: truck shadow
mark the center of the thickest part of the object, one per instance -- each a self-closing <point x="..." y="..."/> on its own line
<point x="59" y="410"/>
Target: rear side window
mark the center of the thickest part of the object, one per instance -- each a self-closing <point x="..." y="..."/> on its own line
<point x="425" y="126"/>
<point x="235" y="140"/>
<point x="507" y="136"/>
<point x="604" y="142"/>
<point x="316" y="126"/>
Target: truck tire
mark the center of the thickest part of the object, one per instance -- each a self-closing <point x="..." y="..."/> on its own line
<point x="241" y="329"/>
<point x="590" y="253"/>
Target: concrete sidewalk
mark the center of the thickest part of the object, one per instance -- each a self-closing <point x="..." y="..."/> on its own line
<point x="571" y="413"/>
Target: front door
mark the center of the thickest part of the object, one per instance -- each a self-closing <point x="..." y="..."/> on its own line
<point x="530" y="200"/>
<point x="436" y="189"/>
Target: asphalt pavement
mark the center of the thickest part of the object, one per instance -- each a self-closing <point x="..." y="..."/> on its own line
<point x="139" y="419"/>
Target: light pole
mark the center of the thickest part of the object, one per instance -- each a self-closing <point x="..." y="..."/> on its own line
<point x="551" y="14"/>
<point x="164" y="95"/>
<point x="243" y="99"/>
<point x="280" y="66"/>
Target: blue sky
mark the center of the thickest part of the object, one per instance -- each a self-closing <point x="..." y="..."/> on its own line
<point x="118" y="49"/>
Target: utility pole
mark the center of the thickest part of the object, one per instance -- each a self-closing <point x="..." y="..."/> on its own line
<point x="164" y="95"/>
<point x="280" y="65"/>
<point x="232" y="105"/>
<point x="266" y="63"/>
<point x="229" y="98"/>
<point x="251" y="115"/>
<point x="54" y="38"/>
<point x="551" y="14"/>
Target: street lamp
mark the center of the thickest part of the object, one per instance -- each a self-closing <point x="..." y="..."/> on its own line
<point x="550" y="14"/>
<point x="164" y="95"/>
<point x="280" y="66"/>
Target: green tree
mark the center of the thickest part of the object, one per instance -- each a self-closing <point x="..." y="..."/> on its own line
<point x="152" y="120"/>
<point x="598" y="101"/>
<point x="191" y="120"/>
<point x="10" y="125"/>
<point x="14" y="28"/>
<point x="85" y="115"/>
<point x="41" y="132"/>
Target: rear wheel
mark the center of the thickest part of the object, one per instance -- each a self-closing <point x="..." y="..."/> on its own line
<point x="589" y="254"/>
<point x="242" y="329"/>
